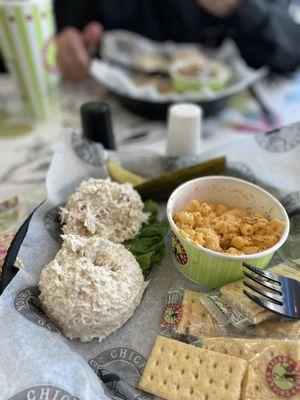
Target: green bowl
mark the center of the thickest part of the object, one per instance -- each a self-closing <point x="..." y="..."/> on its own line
<point x="181" y="83"/>
<point x="206" y="267"/>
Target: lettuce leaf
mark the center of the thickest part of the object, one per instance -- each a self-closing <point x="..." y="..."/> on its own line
<point x="148" y="246"/>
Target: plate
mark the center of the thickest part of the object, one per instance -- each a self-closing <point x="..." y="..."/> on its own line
<point x="118" y="69"/>
<point x="158" y="111"/>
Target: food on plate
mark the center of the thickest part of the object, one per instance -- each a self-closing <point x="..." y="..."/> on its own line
<point x="191" y="70"/>
<point x="179" y="371"/>
<point x="148" y="245"/>
<point x="161" y="84"/>
<point x="91" y="288"/>
<point x="195" y="317"/>
<point x="105" y="208"/>
<point x="115" y="211"/>
<point x="160" y="62"/>
<point x="122" y="175"/>
<point x="273" y="365"/>
<point x="190" y="55"/>
<point x="160" y="188"/>
<point x="152" y="62"/>
<point x="234" y="293"/>
<point x="93" y="285"/>
<point x="199" y="75"/>
<point x="184" y="70"/>
<point x="208" y="267"/>
<point x="228" y="230"/>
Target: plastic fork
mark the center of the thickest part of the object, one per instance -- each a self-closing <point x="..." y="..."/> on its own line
<point x="283" y="296"/>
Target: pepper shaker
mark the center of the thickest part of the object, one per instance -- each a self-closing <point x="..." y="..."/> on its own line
<point x="97" y="124"/>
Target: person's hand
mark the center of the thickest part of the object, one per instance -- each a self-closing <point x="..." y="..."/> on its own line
<point x="75" y="49"/>
<point x="220" y="8"/>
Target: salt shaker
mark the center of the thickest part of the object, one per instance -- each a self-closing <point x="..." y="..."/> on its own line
<point x="184" y="130"/>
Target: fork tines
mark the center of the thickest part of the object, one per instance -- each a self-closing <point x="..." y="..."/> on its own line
<point x="281" y="296"/>
<point x="262" y="272"/>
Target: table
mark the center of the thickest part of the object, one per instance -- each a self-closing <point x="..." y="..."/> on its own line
<point x="25" y="158"/>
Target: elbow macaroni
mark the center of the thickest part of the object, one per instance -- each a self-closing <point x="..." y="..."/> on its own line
<point x="228" y="230"/>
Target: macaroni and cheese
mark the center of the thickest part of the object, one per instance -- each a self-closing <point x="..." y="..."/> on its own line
<point x="228" y="230"/>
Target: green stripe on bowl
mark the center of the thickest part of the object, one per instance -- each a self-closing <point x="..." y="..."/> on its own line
<point x="18" y="68"/>
<point x="27" y="48"/>
<point x="210" y="270"/>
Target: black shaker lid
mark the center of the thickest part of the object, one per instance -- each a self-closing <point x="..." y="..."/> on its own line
<point x="97" y="124"/>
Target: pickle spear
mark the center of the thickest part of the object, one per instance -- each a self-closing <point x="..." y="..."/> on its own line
<point x="160" y="188"/>
<point x="122" y="175"/>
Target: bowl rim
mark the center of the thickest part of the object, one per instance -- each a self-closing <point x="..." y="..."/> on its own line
<point x="215" y="253"/>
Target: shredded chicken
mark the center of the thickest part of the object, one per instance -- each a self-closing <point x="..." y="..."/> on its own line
<point x="91" y="288"/>
<point x="101" y="207"/>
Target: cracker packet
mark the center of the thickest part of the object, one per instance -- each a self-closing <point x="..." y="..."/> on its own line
<point x="185" y="317"/>
<point x="230" y="304"/>
<point x="270" y="349"/>
<point x="273" y="364"/>
<point x="280" y="327"/>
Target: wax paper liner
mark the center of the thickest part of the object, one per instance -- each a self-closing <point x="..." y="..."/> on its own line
<point x="116" y="78"/>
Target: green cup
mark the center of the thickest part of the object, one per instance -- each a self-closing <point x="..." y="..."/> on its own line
<point x="180" y="85"/>
<point x="206" y="267"/>
<point x="27" y="42"/>
<point x="183" y="83"/>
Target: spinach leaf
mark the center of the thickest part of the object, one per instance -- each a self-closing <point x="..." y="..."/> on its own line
<point x="148" y="246"/>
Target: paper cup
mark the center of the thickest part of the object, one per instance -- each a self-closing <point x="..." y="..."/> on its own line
<point x="27" y="42"/>
<point x="207" y="267"/>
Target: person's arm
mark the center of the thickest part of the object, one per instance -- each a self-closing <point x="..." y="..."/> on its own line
<point x="77" y="38"/>
<point x="263" y="30"/>
<point x="75" y="50"/>
<point x="267" y="35"/>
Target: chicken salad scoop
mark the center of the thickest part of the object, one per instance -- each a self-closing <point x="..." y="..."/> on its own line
<point x="91" y="287"/>
<point x="101" y="207"/>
